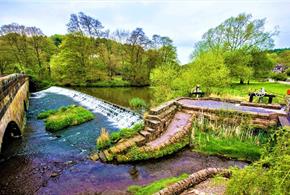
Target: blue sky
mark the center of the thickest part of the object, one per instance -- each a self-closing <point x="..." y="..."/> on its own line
<point x="183" y="21"/>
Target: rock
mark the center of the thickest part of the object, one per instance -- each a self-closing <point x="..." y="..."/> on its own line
<point x="68" y="162"/>
<point x="54" y="174"/>
<point x="94" y="157"/>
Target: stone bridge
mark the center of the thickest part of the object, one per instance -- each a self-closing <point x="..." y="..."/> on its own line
<point x="14" y="93"/>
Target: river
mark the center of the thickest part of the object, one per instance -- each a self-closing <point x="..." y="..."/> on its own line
<point x="57" y="163"/>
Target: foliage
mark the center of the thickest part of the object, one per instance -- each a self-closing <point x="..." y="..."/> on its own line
<point x="103" y="141"/>
<point x="155" y="186"/>
<point x="137" y="103"/>
<point x="162" y="78"/>
<point x="126" y="132"/>
<point x="136" y="154"/>
<point x="208" y="70"/>
<point x="279" y="76"/>
<point x="269" y="175"/>
<point x="89" y="55"/>
<point x="65" y="116"/>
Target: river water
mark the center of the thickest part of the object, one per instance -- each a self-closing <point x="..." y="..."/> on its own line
<point x="57" y="163"/>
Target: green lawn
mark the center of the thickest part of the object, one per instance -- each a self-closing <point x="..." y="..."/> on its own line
<point x="229" y="146"/>
<point x="155" y="186"/>
<point x="65" y="116"/>
<point x="239" y="91"/>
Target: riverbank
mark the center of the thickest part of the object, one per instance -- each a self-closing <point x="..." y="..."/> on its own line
<point x="57" y="163"/>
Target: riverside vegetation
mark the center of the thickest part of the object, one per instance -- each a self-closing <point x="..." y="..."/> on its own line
<point x="236" y="52"/>
<point x="65" y="116"/>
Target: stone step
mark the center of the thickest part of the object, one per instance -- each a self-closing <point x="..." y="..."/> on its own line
<point x="152" y="123"/>
<point x="146" y="134"/>
<point x="284" y="121"/>
<point x="150" y="130"/>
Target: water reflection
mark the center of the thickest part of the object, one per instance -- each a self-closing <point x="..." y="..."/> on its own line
<point x="121" y="95"/>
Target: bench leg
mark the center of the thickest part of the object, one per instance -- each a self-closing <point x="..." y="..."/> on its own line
<point x="270" y="100"/>
<point x="251" y="98"/>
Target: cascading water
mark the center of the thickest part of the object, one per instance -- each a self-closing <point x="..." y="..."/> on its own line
<point x="121" y="117"/>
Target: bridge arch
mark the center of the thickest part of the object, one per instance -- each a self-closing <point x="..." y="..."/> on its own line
<point x="11" y="133"/>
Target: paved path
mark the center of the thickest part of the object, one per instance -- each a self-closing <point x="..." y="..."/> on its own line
<point x="211" y="104"/>
<point x="178" y="122"/>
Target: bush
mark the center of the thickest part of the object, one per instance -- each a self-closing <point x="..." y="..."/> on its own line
<point x="103" y="140"/>
<point x="279" y="76"/>
<point x="155" y="186"/>
<point x="137" y="103"/>
<point x="288" y="72"/>
<point x="126" y="132"/>
<point x="65" y="116"/>
<point x="269" y="175"/>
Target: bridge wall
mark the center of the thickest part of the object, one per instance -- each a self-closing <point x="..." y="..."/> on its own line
<point x="14" y="94"/>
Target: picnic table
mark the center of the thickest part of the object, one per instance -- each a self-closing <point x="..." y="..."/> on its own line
<point x="261" y="93"/>
<point x="196" y="91"/>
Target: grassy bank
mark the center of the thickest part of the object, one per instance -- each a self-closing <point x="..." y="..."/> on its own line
<point x="65" y="116"/>
<point x="236" y="90"/>
<point x="106" y="140"/>
<point x="138" y="153"/>
<point x="155" y="186"/>
<point x="233" y="147"/>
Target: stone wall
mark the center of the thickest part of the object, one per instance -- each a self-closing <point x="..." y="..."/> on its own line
<point x="259" y="120"/>
<point x="192" y="180"/>
<point x="14" y="90"/>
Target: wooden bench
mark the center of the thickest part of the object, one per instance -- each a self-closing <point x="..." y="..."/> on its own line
<point x="270" y="96"/>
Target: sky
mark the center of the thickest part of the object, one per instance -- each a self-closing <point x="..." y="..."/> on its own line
<point x="184" y="21"/>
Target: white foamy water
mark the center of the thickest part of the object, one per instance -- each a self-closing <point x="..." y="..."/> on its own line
<point x="121" y="117"/>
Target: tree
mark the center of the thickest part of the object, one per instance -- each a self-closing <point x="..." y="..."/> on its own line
<point x="238" y="37"/>
<point x="238" y="63"/>
<point x="208" y="70"/>
<point x="86" y="25"/>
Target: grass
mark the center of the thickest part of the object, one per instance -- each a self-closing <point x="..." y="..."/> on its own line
<point x="136" y="154"/>
<point x="126" y="132"/>
<point x="229" y="146"/>
<point x="65" y="116"/>
<point x="137" y="103"/>
<point x="230" y="136"/>
<point x="238" y="91"/>
<point x="155" y="186"/>
<point x="106" y="140"/>
<point x="103" y="140"/>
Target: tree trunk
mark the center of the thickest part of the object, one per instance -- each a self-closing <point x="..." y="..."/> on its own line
<point x="241" y="81"/>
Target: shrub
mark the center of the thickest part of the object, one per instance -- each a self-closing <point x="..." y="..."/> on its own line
<point x="103" y="141"/>
<point x="65" y="116"/>
<point x="288" y="72"/>
<point x="269" y="175"/>
<point x="279" y="76"/>
<point x="137" y="103"/>
<point x="155" y="186"/>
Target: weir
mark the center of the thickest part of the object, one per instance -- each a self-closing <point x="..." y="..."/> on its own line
<point x="120" y="116"/>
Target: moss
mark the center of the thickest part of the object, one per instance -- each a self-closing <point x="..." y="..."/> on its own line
<point x="137" y="153"/>
<point x="65" y="116"/>
<point x="155" y="186"/>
